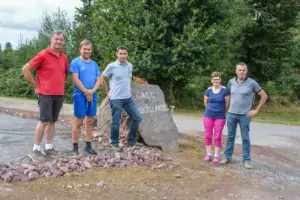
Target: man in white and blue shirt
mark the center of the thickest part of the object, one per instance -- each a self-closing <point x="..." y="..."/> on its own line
<point x="119" y="74"/>
<point x="86" y="79"/>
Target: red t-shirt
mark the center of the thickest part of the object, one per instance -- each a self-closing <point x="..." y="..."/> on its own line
<point x="51" y="72"/>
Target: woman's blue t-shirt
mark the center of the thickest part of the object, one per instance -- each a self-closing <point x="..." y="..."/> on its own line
<point x="216" y="106"/>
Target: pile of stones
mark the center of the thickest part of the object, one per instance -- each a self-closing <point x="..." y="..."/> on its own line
<point x="63" y="166"/>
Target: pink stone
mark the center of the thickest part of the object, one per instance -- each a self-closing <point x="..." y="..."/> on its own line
<point x="87" y="164"/>
<point x="100" y="184"/>
<point x="64" y="169"/>
<point x="7" y="177"/>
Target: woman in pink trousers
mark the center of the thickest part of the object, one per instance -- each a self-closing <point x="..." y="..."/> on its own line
<point x="216" y="101"/>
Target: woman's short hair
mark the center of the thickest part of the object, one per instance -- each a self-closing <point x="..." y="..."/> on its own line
<point x="215" y="74"/>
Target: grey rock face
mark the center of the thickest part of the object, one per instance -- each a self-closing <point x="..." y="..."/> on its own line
<point x="157" y="128"/>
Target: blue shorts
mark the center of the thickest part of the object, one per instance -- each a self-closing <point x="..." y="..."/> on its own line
<point x="84" y="108"/>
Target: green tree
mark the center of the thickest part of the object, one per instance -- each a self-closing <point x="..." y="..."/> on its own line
<point x="295" y="47"/>
<point x="292" y="72"/>
<point x="58" y="21"/>
<point x="8" y="56"/>
<point x="7" y="46"/>
<point x="267" y="40"/>
<point x="1" y="57"/>
<point x="12" y="81"/>
<point x="170" y="42"/>
<point x="82" y="29"/>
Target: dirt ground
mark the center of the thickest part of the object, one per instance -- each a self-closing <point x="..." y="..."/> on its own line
<point x="183" y="176"/>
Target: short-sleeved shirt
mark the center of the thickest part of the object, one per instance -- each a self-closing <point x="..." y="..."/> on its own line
<point x="242" y="95"/>
<point x="119" y="79"/>
<point x="87" y="73"/>
<point x="216" y="105"/>
<point x="51" y="72"/>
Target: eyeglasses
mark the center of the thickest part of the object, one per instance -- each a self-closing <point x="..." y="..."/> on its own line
<point x="215" y="79"/>
<point x="59" y="39"/>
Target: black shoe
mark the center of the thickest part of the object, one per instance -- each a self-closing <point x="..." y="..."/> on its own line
<point x="130" y="144"/>
<point x="90" y="150"/>
<point x="75" y="151"/>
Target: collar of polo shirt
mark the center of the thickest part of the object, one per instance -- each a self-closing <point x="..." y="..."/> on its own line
<point x="122" y="63"/>
<point x="243" y="80"/>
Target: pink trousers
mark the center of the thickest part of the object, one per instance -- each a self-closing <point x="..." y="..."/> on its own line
<point x="213" y="126"/>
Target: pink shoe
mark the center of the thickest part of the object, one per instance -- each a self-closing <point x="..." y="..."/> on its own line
<point x="207" y="158"/>
<point x="215" y="160"/>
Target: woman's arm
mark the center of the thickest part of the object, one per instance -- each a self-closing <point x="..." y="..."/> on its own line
<point x="205" y="100"/>
<point x="227" y="102"/>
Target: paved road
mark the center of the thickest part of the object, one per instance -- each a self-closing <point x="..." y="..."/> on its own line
<point x="29" y="105"/>
<point x="270" y="135"/>
<point x="17" y="138"/>
<point x="17" y="134"/>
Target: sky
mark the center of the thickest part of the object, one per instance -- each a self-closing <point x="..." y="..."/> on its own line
<point x="22" y="17"/>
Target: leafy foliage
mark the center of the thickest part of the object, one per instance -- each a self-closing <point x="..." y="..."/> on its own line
<point x="176" y="44"/>
<point x="266" y="47"/>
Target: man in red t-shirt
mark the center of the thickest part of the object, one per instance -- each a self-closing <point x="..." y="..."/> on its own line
<point x="51" y="67"/>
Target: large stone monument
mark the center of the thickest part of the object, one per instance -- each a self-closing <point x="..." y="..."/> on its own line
<point x="157" y="127"/>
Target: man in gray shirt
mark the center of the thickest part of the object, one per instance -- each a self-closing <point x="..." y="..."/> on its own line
<point x="119" y="74"/>
<point x="242" y="90"/>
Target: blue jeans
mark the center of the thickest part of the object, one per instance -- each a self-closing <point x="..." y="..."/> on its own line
<point x="130" y="107"/>
<point x="244" y="123"/>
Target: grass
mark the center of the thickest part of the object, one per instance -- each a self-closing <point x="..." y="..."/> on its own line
<point x="271" y="114"/>
<point x="18" y="97"/>
<point x="188" y="112"/>
<point x="289" y="118"/>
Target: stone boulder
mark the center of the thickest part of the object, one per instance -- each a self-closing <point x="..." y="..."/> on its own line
<point x="157" y="128"/>
<point x="104" y="121"/>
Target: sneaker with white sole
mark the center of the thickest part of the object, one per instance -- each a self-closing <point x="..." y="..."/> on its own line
<point x="224" y="161"/>
<point x="248" y="165"/>
<point x="36" y="155"/>
<point x="116" y="148"/>
<point x="51" y="152"/>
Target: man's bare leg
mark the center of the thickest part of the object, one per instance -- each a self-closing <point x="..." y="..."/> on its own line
<point x="50" y="128"/>
<point x="88" y="135"/>
<point x="38" y="135"/>
<point x="36" y="154"/>
<point x="89" y="128"/>
<point x="75" y="133"/>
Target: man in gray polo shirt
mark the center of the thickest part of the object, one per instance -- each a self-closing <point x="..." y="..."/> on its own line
<point x="242" y="90"/>
<point x="119" y="74"/>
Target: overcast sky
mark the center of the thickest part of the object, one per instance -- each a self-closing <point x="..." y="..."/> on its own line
<point x="22" y="17"/>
